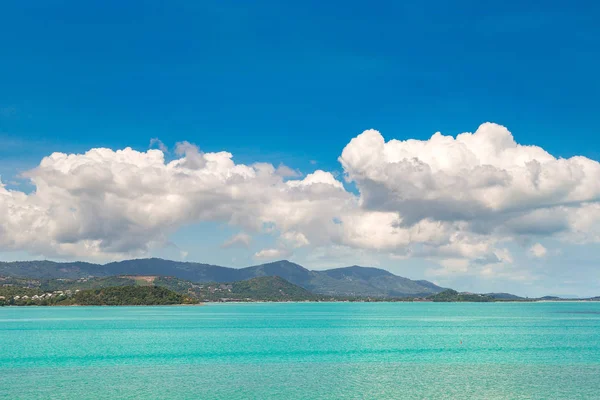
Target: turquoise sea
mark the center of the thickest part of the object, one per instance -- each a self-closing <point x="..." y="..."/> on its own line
<point x="302" y="351"/>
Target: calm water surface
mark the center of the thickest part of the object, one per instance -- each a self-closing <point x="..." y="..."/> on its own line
<point x="302" y="351"/>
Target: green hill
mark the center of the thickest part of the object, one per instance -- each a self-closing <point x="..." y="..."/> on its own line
<point x="454" y="296"/>
<point x="130" y="295"/>
<point x="504" y="296"/>
<point x="266" y="288"/>
<point x="270" y="288"/>
<point x="85" y="283"/>
<point x="352" y="281"/>
<point x="121" y="290"/>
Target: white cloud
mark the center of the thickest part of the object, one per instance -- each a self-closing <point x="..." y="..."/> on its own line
<point x="240" y="239"/>
<point x="477" y="189"/>
<point x="538" y="251"/>
<point x="317" y="177"/>
<point x="114" y="204"/>
<point x="287" y="172"/>
<point x="504" y="255"/>
<point x="295" y="239"/>
<point x="272" y="254"/>
<point x="159" y="144"/>
<point x="193" y="157"/>
<point x="456" y="201"/>
<point x="483" y="177"/>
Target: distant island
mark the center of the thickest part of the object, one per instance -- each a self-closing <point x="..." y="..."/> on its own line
<point x="163" y="282"/>
<point x="353" y="281"/>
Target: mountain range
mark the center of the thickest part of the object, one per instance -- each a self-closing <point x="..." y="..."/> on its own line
<point x="348" y="281"/>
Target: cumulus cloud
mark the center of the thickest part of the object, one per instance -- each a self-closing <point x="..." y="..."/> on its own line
<point x="455" y="200"/>
<point x="193" y="157"/>
<point x="112" y="204"/>
<point x="473" y="176"/>
<point x="240" y="239"/>
<point x="295" y="239"/>
<point x="482" y="186"/>
<point x="272" y="254"/>
<point x="538" y="251"/>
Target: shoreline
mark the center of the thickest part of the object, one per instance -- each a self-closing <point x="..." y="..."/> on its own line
<point x="299" y="302"/>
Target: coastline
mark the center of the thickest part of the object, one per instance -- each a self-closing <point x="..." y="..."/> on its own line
<point x="299" y="302"/>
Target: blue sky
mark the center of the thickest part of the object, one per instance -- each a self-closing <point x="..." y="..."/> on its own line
<point x="291" y="83"/>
